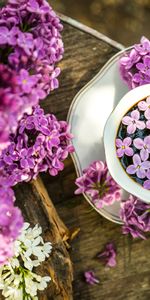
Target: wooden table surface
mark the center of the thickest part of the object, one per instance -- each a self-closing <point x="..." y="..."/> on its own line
<point x="85" y="54"/>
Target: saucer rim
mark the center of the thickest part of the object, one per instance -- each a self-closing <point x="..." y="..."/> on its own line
<point x="74" y="103"/>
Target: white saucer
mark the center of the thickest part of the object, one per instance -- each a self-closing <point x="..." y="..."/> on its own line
<point x="87" y="116"/>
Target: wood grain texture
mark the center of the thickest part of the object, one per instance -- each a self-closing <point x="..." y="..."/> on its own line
<point x="38" y="208"/>
<point x="130" y="280"/>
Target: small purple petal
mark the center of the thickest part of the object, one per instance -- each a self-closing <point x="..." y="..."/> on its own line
<point x="142" y="105"/>
<point x="127" y="120"/>
<point x="127" y="141"/>
<point x="90" y="277"/>
<point x="136" y="160"/>
<point x="135" y="114"/>
<point x="24" y="163"/>
<point x="147" y="113"/>
<point x="138" y="143"/>
<point x="146" y="184"/>
<point x="140" y="125"/>
<point x="108" y="255"/>
<point x="144" y="154"/>
<point x="147" y="140"/>
<point x="131" y="128"/>
<point x="120" y="152"/>
<point x="148" y="174"/>
<point x="129" y="151"/>
<point x="148" y="124"/>
<point x="141" y="173"/>
<point x="145" y="164"/>
<point x="131" y="169"/>
<point x="119" y="143"/>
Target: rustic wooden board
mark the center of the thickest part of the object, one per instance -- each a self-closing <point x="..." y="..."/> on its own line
<point x="130" y="280"/>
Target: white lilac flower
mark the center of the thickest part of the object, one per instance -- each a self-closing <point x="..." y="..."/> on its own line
<point x="30" y="244"/>
<point x="17" y="280"/>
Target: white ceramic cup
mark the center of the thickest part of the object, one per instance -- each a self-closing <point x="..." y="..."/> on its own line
<point x="110" y="132"/>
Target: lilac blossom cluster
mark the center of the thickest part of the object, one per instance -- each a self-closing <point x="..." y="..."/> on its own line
<point x="30" y="47"/>
<point x="135" y="64"/>
<point x="41" y="144"/>
<point x="97" y="183"/>
<point x="135" y="215"/>
<point x="11" y="220"/>
<point x="137" y="148"/>
<point x="30" y="142"/>
<point x="10" y="103"/>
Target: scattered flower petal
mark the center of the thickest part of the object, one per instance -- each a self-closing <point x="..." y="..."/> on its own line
<point x="109" y="255"/>
<point x="90" y="278"/>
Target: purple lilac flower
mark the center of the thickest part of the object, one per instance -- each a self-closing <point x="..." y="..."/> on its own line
<point x="15" y="98"/>
<point x="10" y="104"/>
<point x="27" y="81"/>
<point x="136" y="217"/>
<point x="90" y="277"/>
<point x="10" y="155"/>
<point x="145" y="106"/>
<point x="145" y="66"/>
<point x="34" y="6"/>
<point x="124" y="147"/>
<point x="26" y="160"/>
<point x="135" y="64"/>
<point x="139" y="79"/>
<point x="130" y="59"/>
<point x="109" y="255"/>
<point x="25" y="42"/>
<point x="144" y="47"/>
<point x="133" y="122"/>
<point x="36" y="39"/>
<point x="143" y="146"/>
<point x="11" y="221"/>
<point x="8" y="36"/>
<point x="126" y="76"/>
<point x="98" y="185"/>
<point x="31" y="45"/>
<point x="41" y="144"/>
<point x="6" y="193"/>
<point x="138" y="167"/>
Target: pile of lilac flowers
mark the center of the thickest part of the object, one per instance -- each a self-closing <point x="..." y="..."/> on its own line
<point x="135" y="64"/>
<point x="41" y="144"/>
<point x="136" y="217"/>
<point x="97" y="183"/>
<point x="30" y="47"/>
<point x="30" y="141"/>
<point x="102" y="190"/>
<point x="134" y="148"/>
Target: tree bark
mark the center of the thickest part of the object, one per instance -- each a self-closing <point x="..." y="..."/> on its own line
<point x="37" y="207"/>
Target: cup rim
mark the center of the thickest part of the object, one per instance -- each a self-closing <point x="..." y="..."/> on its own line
<point x="109" y="136"/>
